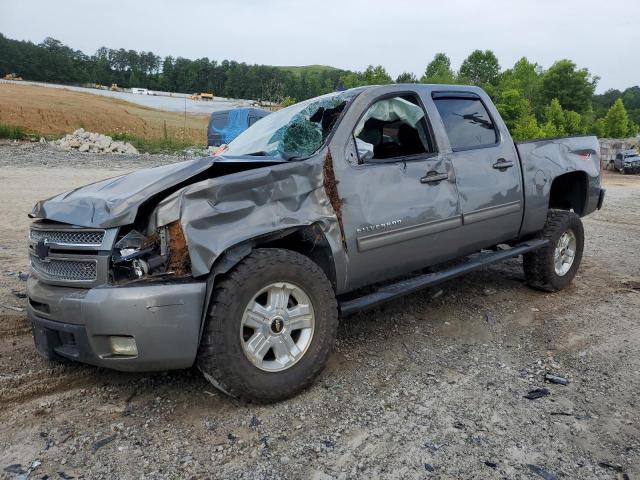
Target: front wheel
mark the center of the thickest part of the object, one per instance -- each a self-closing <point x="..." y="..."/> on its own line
<point x="271" y="326"/>
<point x="554" y="266"/>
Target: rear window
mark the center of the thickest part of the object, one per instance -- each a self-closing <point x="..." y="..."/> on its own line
<point x="466" y="122"/>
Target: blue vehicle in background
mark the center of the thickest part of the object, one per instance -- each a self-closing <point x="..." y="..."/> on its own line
<point x="226" y="125"/>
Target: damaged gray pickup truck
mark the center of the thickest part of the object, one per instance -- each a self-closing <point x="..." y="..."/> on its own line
<point x="242" y="263"/>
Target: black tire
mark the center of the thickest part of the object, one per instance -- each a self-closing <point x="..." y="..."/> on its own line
<point x="221" y="357"/>
<point x="538" y="265"/>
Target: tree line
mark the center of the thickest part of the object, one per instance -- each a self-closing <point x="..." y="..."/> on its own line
<point x="52" y="61"/>
<point x="534" y="102"/>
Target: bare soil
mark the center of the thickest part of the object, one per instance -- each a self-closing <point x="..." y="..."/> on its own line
<point x="55" y="111"/>
<point x="431" y="386"/>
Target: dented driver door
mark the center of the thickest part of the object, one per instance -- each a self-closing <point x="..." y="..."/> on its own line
<point x="400" y="208"/>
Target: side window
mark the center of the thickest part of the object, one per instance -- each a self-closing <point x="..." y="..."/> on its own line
<point x="392" y="127"/>
<point x="467" y="122"/>
<point x="219" y="120"/>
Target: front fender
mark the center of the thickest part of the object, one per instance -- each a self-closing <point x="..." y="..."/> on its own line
<point x="220" y="213"/>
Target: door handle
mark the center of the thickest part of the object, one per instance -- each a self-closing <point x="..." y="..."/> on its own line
<point x="434" y="177"/>
<point x="502" y="164"/>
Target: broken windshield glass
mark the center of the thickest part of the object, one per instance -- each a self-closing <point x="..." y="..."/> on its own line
<point x="295" y="131"/>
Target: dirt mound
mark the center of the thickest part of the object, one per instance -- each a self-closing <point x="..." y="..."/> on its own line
<point x="56" y="111"/>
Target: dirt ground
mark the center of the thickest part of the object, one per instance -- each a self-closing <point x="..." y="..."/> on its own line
<point x="430" y="386"/>
<point x="54" y="111"/>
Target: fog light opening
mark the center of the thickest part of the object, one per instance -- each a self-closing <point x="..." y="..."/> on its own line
<point x="123" y="346"/>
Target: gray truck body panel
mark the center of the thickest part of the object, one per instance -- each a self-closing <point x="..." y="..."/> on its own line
<point x="390" y="222"/>
<point x="545" y="160"/>
<point x="164" y="320"/>
<point x="218" y="213"/>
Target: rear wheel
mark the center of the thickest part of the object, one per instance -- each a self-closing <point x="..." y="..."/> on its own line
<point x="554" y="266"/>
<point x="271" y="326"/>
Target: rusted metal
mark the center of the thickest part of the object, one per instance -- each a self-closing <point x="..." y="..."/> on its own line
<point x="178" y="251"/>
<point x="331" y="187"/>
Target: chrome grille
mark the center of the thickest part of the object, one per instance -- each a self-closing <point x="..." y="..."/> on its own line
<point x="68" y="237"/>
<point x="77" y="270"/>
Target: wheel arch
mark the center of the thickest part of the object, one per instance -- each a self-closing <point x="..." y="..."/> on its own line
<point x="308" y="240"/>
<point x="569" y="191"/>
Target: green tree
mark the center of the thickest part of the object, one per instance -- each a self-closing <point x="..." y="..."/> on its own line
<point x="573" y="123"/>
<point x="480" y="68"/>
<point x="406" y="77"/>
<point x="555" y="120"/>
<point x="371" y="76"/>
<point x="616" y="120"/>
<point x="439" y="70"/>
<point x="524" y="77"/>
<point x="512" y="106"/>
<point x="376" y="76"/>
<point x="526" y="128"/>
<point x="571" y="86"/>
<point x="600" y="128"/>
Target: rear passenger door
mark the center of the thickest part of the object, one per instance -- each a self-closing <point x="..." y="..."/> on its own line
<point x="486" y="167"/>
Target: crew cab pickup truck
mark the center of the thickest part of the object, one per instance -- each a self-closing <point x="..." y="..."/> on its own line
<point x="626" y="161"/>
<point x="243" y="263"/>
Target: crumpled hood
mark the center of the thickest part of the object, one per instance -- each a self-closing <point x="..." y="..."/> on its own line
<point x="115" y="201"/>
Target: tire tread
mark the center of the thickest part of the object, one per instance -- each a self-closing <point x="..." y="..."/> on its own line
<point x="539" y="272"/>
<point x="214" y="356"/>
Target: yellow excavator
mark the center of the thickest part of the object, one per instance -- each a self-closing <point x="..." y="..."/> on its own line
<point x="202" y="96"/>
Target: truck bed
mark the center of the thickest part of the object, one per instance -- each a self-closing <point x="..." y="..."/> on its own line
<point x="544" y="160"/>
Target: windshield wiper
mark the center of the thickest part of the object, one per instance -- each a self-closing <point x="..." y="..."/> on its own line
<point x="292" y="157"/>
<point x="261" y="153"/>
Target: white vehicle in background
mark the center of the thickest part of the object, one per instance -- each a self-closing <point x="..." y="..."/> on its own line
<point x="140" y="91"/>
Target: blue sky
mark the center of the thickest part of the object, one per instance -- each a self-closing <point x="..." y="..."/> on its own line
<point x="402" y="35"/>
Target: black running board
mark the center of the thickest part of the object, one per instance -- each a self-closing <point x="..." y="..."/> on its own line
<point x="411" y="285"/>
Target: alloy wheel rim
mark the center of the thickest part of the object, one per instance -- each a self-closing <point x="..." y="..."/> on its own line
<point x="565" y="253"/>
<point x="277" y="327"/>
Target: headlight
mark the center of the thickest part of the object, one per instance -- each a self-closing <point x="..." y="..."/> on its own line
<point x="136" y="256"/>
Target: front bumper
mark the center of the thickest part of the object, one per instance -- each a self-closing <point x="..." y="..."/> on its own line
<point x="75" y="323"/>
<point x="631" y="168"/>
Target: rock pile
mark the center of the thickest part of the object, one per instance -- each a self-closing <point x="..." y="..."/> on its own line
<point x="92" y="142"/>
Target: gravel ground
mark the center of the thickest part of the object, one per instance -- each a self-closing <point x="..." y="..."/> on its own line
<point x="431" y="386"/>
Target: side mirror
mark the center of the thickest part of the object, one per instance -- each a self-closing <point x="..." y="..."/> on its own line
<point x="365" y="150"/>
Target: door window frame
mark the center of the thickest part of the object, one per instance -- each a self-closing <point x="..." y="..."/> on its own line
<point x="402" y="158"/>
<point x="446" y="95"/>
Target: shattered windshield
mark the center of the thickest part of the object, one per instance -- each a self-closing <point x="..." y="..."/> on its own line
<point x="293" y="132"/>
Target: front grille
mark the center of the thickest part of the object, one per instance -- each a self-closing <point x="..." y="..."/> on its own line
<point x="65" y="269"/>
<point x="68" y="237"/>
